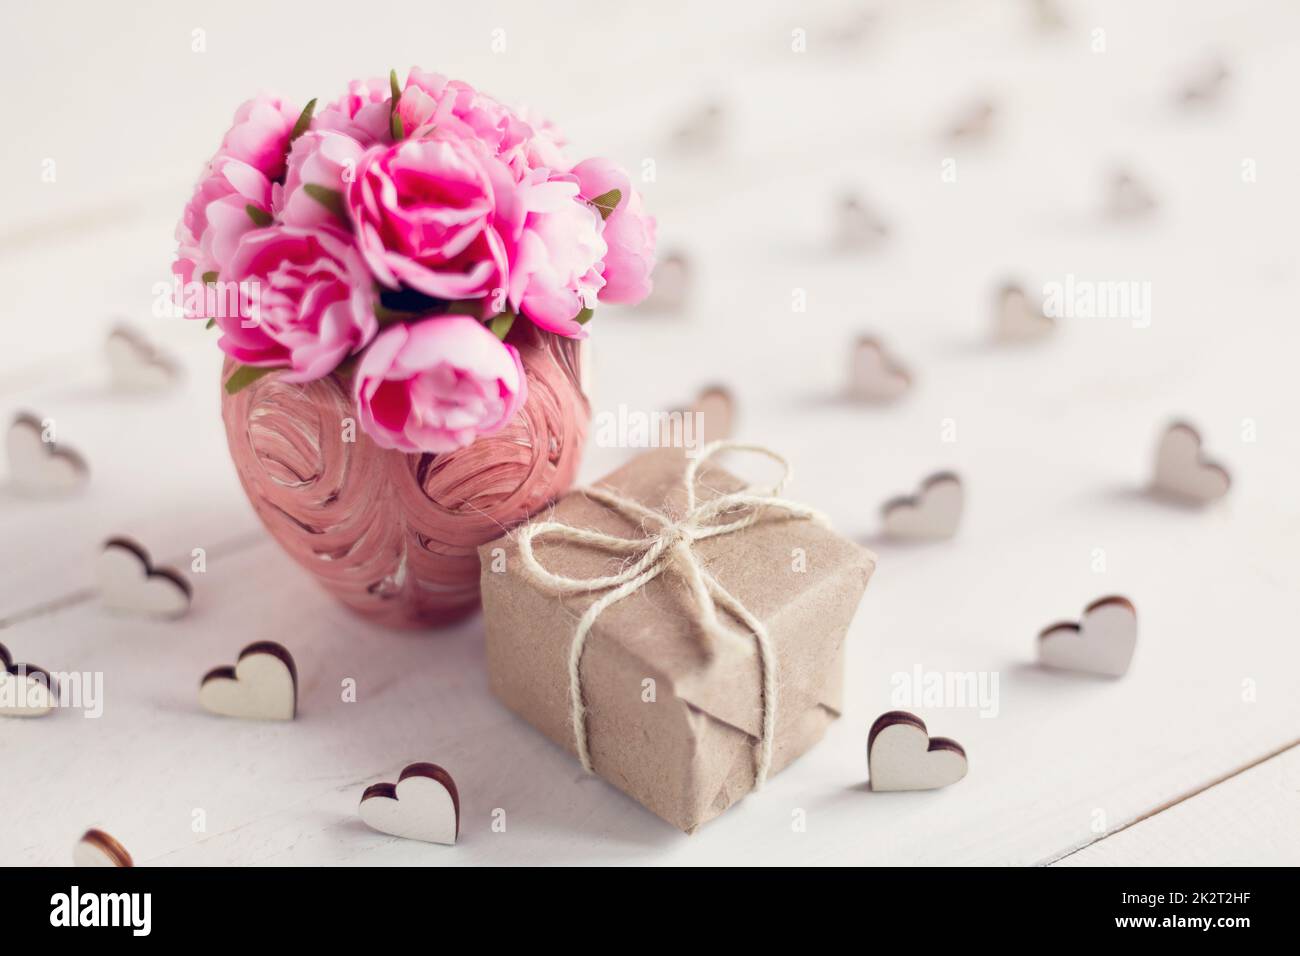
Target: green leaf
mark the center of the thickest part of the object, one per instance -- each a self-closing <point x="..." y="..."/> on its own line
<point x="304" y="120"/>
<point x="244" y="376"/>
<point x="500" y="324"/>
<point x="209" y="277"/>
<point x="210" y="323"/>
<point x="331" y="199"/>
<point x="583" y="317"/>
<point x="606" y="203"/>
<point x="259" y="216"/>
<point x="394" y="118"/>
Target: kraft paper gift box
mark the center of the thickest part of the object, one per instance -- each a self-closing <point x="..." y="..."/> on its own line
<point x="672" y="719"/>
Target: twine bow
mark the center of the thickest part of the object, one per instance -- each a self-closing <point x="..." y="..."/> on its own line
<point x="670" y="546"/>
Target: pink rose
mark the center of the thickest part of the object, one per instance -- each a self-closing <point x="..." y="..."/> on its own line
<point x="216" y="218"/>
<point x="423" y="212"/>
<point x="362" y="113"/>
<point x="629" y="233"/>
<point x="555" y="260"/>
<point x="437" y="385"/>
<point x="323" y="158"/>
<point x="310" y="301"/>
<point x="260" y="134"/>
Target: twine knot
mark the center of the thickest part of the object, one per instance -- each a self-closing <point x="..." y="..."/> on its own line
<point x="671" y="544"/>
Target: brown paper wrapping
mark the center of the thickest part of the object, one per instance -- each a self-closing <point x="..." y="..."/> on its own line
<point x="689" y="754"/>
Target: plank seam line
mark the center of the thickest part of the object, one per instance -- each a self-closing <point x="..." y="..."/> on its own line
<point x="1223" y="778"/>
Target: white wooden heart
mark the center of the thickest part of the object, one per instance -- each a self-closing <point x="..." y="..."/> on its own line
<point x="874" y="375"/>
<point x="858" y="226"/>
<point x="135" y="365"/>
<point x="1017" y="319"/>
<point x="901" y="755"/>
<point x="1206" y="86"/>
<point x="932" y="514"/>
<point x="263" y="685"/>
<point x="25" y="691"/>
<point x="1101" y="643"/>
<point x="671" y="284"/>
<point x="39" y="467"/>
<point x="703" y="130"/>
<point x="1183" y="472"/>
<point x="130" y="584"/>
<point x="422" y="805"/>
<point x="97" y="848"/>
<point x="1128" y="198"/>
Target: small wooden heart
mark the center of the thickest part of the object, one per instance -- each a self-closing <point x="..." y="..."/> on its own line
<point x="25" y="690"/>
<point x="422" y="805"/>
<point x="874" y="375"/>
<point x="672" y="284"/>
<point x="702" y="130"/>
<point x="1183" y="472"/>
<point x="97" y="848"/>
<point x="1017" y="319"/>
<point x="263" y="685"/>
<point x="901" y="755"/>
<point x="932" y="514"/>
<point x="40" y="467"/>
<point x="974" y="122"/>
<point x="1206" y="85"/>
<point x="1102" y="642"/>
<point x="858" y="226"/>
<point x="1128" y="198"/>
<point x="130" y="584"/>
<point x="135" y="365"/>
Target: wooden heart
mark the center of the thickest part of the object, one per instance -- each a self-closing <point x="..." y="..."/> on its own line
<point x="974" y="122"/>
<point x="932" y="514"/>
<point x="1102" y="642"/>
<point x="39" y="467"/>
<point x="25" y="690"/>
<point x="874" y="376"/>
<point x="422" y="805"/>
<point x="672" y="283"/>
<point x="1017" y="319"/>
<point x="97" y="848"/>
<point x="130" y="584"/>
<point x="857" y="226"/>
<point x="1183" y="472"/>
<point x="901" y="755"/>
<point x="263" y="685"/>
<point x="135" y="365"/>
<point x="1128" y="198"/>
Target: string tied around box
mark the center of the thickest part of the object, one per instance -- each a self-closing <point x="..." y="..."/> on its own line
<point x="671" y="547"/>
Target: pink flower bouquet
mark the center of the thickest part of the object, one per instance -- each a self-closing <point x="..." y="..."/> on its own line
<point x="418" y="262"/>
<point x="397" y="235"/>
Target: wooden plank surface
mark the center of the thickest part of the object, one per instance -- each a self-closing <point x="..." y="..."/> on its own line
<point x="1054" y="442"/>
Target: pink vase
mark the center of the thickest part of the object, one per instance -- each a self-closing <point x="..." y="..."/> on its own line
<point x="392" y="535"/>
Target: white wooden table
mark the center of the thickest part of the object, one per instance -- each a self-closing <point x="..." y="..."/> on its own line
<point x="1191" y="758"/>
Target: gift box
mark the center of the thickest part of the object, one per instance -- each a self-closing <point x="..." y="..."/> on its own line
<point x="676" y="706"/>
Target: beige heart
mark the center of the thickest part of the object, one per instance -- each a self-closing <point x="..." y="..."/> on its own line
<point x="422" y="805"/>
<point x="1128" y="198"/>
<point x="874" y="376"/>
<point x="38" y="467"/>
<point x="901" y="755"/>
<point x="857" y="226"/>
<point x="1183" y="472"/>
<point x="130" y="584"/>
<point x="135" y="365"/>
<point x="97" y="848"/>
<point x="25" y="691"/>
<point x="1101" y="643"/>
<point x="932" y="514"/>
<point x="671" y="284"/>
<point x="1016" y="319"/>
<point x="263" y="685"/>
